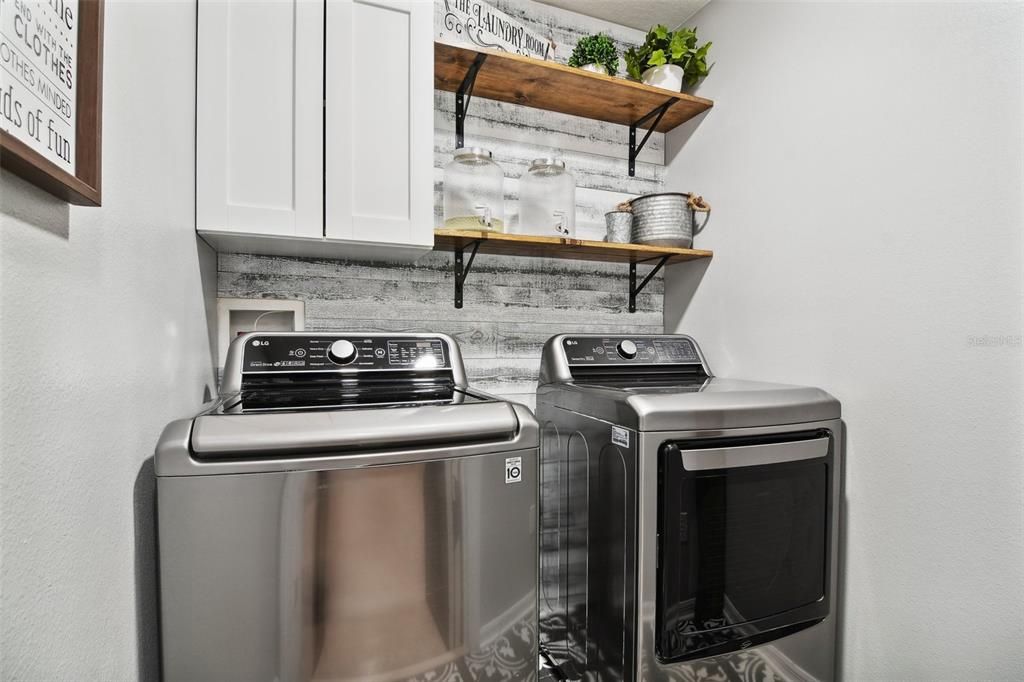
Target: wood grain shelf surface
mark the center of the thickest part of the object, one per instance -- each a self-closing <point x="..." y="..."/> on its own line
<point x="558" y="247"/>
<point x="546" y="85"/>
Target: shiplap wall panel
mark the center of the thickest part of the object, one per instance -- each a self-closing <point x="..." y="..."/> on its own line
<point x="565" y="27"/>
<point x="591" y="171"/>
<point x="512" y="305"/>
<point x="594" y="151"/>
<point x="498" y="120"/>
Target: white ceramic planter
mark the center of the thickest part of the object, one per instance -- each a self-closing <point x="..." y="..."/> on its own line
<point x="595" y="68"/>
<point x="667" y="76"/>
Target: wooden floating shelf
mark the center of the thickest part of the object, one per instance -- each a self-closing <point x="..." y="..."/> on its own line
<point x="502" y="244"/>
<point x="479" y="241"/>
<point x="550" y="86"/>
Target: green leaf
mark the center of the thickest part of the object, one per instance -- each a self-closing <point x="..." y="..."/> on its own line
<point x="634" y="59"/>
<point x="677" y="46"/>
<point x="657" y="58"/>
<point x="661" y="31"/>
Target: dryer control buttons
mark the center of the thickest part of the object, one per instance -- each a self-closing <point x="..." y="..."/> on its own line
<point x="626" y="349"/>
<point x="342" y="352"/>
<point x="599" y="351"/>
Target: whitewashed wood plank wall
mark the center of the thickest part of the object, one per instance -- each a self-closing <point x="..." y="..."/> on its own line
<point x="595" y="152"/>
<point x="512" y="305"/>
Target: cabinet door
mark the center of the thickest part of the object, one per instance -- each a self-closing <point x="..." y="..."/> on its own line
<point x="380" y="121"/>
<point x="259" y="123"/>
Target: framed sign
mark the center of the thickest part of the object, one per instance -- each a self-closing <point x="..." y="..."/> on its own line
<point x="51" y="92"/>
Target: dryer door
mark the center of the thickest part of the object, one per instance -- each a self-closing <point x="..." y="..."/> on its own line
<point x="743" y="538"/>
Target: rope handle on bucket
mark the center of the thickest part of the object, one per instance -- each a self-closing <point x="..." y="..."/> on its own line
<point x="697" y="203"/>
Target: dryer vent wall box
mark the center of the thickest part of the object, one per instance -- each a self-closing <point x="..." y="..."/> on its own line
<point x="239" y="315"/>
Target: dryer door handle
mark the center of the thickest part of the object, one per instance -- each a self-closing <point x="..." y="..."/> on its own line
<point x="754" y="455"/>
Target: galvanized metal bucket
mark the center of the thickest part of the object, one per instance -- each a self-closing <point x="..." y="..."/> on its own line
<point x="620" y="227"/>
<point x="668" y="219"/>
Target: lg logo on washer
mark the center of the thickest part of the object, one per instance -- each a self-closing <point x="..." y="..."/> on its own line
<point x="513" y="470"/>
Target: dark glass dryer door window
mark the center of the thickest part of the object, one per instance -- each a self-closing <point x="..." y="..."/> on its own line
<point x="743" y="538"/>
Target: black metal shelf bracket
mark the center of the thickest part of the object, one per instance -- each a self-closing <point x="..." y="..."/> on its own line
<point x="634" y="148"/>
<point x="462" y="266"/>
<point x="635" y="290"/>
<point x="462" y="97"/>
<point x="462" y="270"/>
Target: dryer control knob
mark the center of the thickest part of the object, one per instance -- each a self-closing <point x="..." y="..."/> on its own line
<point x="627" y="349"/>
<point x="342" y="352"/>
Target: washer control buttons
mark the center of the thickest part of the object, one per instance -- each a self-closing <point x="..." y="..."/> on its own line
<point x="626" y="349"/>
<point x="342" y="352"/>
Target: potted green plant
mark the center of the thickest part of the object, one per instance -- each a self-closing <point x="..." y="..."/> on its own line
<point x="595" y="53"/>
<point x="669" y="59"/>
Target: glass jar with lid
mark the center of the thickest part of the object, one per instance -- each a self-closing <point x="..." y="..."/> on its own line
<point x="474" y="195"/>
<point x="547" y="199"/>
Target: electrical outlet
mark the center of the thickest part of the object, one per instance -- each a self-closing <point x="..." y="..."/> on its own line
<point x="239" y="315"/>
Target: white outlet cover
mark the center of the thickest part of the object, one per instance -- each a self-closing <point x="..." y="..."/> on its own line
<point x="296" y="321"/>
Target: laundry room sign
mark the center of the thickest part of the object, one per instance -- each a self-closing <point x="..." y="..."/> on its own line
<point x="49" y="94"/>
<point x="486" y="26"/>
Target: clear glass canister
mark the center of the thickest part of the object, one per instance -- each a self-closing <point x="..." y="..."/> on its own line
<point x="474" y="195"/>
<point x="547" y="199"/>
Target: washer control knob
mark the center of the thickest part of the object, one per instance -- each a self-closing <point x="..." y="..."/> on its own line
<point x="627" y="349"/>
<point x="342" y="352"/>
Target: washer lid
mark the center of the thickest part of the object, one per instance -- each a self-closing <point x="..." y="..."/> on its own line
<point x="217" y="436"/>
<point x="216" y="443"/>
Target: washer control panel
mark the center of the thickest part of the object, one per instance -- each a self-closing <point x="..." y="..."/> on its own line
<point x="297" y="353"/>
<point x="618" y="350"/>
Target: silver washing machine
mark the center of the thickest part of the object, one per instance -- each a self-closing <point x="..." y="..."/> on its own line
<point x="348" y="510"/>
<point x="688" y="523"/>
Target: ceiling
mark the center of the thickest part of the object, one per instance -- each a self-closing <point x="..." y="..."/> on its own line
<point x="638" y="14"/>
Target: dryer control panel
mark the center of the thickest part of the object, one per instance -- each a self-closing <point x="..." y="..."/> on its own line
<point x="620" y="350"/>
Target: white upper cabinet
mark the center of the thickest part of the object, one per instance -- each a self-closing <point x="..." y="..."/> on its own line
<point x="380" y="121"/>
<point x="259" y="123"/>
<point x="315" y="125"/>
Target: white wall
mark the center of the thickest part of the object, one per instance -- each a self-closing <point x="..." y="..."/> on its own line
<point x="864" y="162"/>
<point x="104" y="341"/>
